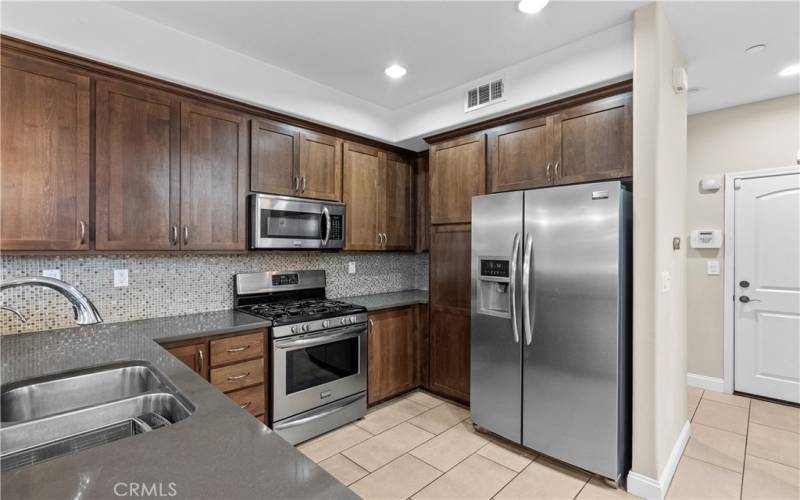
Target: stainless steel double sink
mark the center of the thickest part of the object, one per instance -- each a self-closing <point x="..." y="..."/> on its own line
<point x="47" y="417"/>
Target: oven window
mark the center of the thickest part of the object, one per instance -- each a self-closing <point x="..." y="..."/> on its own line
<point x="285" y="224"/>
<point x="321" y="364"/>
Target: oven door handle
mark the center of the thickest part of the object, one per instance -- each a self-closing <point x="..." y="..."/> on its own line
<point x="327" y="214"/>
<point x="317" y="339"/>
<point x="339" y="406"/>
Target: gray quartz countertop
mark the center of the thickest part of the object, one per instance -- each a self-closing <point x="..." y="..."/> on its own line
<point x="220" y="451"/>
<point x="389" y="300"/>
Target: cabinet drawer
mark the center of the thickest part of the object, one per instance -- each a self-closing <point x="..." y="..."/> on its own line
<point x="239" y="348"/>
<point x="250" y="399"/>
<point x="239" y="375"/>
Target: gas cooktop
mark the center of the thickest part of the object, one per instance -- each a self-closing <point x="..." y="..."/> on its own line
<point x="285" y="312"/>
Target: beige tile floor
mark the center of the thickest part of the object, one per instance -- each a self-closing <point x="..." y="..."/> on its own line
<point x="420" y="446"/>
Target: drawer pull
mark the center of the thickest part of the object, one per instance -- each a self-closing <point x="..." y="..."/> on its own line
<point x="239" y="377"/>
<point x="238" y="349"/>
<point x="245" y="405"/>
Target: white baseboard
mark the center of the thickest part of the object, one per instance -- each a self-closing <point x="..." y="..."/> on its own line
<point x="656" y="489"/>
<point x="705" y="382"/>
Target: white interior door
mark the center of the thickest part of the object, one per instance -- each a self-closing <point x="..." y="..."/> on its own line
<point x="767" y="286"/>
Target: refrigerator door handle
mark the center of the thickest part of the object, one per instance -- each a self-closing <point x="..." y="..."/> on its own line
<point x="512" y="285"/>
<point x="528" y="311"/>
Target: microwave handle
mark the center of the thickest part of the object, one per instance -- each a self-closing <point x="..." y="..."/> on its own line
<point x="327" y="214"/>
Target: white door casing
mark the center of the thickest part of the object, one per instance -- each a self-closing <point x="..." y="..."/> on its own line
<point x="767" y="272"/>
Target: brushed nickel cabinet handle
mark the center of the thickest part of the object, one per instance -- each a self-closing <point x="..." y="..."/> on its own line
<point x="556" y="171"/>
<point x="202" y="361"/>
<point x="548" y="172"/>
<point x="238" y="349"/>
<point x="245" y="405"/>
<point x="174" y="235"/>
<point x="303" y="189"/>
<point x="83" y="232"/>
<point x="385" y="239"/>
<point x="185" y="235"/>
<point x="371" y="325"/>
<point x="296" y="185"/>
<point x="238" y="377"/>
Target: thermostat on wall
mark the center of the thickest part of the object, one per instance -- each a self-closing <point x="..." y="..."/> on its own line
<point x="706" y="238"/>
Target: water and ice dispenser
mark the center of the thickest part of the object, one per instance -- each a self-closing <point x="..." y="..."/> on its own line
<point x="494" y="292"/>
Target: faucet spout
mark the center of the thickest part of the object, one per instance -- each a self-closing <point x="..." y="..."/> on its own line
<point x="85" y="312"/>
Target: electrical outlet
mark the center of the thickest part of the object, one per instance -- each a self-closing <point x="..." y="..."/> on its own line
<point x="120" y="277"/>
<point x="52" y="273"/>
<point x="712" y="267"/>
<point x="666" y="282"/>
<point x="351" y="268"/>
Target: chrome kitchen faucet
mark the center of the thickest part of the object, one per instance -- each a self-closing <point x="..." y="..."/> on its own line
<point x="85" y="312"/>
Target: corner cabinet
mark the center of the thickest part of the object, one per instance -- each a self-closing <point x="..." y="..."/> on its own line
<point x="45" y="164"/>
<point x="213" y="178"/>
<point x="378" y="192"/>
<point x="582" y="143"/>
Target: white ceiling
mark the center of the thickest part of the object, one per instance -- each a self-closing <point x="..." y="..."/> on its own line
<point x="347" y="45"/>
<point x="714" y="36"/>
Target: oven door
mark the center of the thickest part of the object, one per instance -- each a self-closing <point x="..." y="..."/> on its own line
<point x="285" y="222"/>
<point x="316" y="369"/>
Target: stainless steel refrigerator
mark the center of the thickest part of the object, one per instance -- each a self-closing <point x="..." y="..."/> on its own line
<point x="550" y="327"/>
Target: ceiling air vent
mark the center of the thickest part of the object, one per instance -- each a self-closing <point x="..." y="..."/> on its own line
<point x="484" y="95"/>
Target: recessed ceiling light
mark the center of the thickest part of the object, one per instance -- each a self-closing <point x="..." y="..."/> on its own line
<point x="791" y="70"/>
<point x="755" y="49"/>
<point x="532" y="6"/>
<point x="395" y="71"/>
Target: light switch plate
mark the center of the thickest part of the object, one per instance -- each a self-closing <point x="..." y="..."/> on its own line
<point x="351" y="268"/>
<point x="666" y="282"/>
<point x="712" y="267"/>
<point x="52" y="273"/>
<point x="120" y="277"/>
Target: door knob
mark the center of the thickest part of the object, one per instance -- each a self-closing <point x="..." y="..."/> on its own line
<point x="744" y="299"/>
<point x="744" y="283"/>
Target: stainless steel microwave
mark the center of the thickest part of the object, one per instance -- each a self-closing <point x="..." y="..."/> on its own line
<point x="283" y="222"/>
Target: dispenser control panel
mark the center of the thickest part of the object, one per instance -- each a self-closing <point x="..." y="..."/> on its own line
<point x="494" y="268"/>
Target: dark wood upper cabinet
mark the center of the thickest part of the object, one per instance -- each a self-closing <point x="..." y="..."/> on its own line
<point x="594" y="141"/>
<point x="137" y="182"/>
<point x="392" y="347"/>
<point x="275" y="157"/>
<point x="457" y="173"/>
<point x="520" y="155"/>
<point x="45" y="166"/>
<point x="398" y="226"/>
<point x="363" y="188"/>
<point x="213" y="178"/>
<point x="320" y="169"/>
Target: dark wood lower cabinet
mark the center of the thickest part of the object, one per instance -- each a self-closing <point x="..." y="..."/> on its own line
<point x="392" y="347"/>
<point x="193" y="354"/>
<point x="449" y="352"/>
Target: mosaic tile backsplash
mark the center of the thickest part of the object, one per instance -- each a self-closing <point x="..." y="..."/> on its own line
<point x="172" y="285"/>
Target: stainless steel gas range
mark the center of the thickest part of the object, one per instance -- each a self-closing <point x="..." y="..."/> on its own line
<point x="319" y="351"/>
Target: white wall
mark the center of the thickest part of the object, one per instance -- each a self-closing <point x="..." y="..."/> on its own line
<point x="753" y="136"/>
<point x="659" y="325"/>
<point x="598" y="59"/>
<point x="106" y="33"/>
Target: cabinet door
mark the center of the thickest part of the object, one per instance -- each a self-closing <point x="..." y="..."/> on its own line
<point x="320" y="166"/>
<point x="137" y="183"/>
<point x="520" y="155"/>
<point x="44" y="196"/>
<point x="457" y="173"/>
<point x="195" y="356"/>
<point x="449" y="352"/>
<point x="392" y="350"/>
<point x="363" y="195"/>
<point x="450" y="266"/>
<point x="593" y="141"/>
<point x="423" y="225"/>
<point x="275" y="157"/>
<point x="213" y="178"/>
<point x="399" y="217"/>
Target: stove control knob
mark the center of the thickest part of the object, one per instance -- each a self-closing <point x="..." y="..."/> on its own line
<point x="294" y="329"/>
<point x="342" y="321"/>
<point x="306" y="327"/>
<point x="325" y="323"/>
<point x="352" y="319"/>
